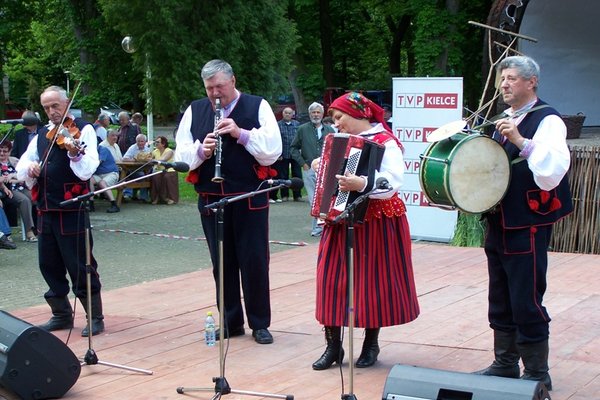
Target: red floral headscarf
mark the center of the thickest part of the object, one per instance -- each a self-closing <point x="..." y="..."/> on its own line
<point x="358" y="106"/>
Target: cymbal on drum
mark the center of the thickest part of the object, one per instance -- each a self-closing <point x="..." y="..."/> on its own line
<point x="446" y="130"/>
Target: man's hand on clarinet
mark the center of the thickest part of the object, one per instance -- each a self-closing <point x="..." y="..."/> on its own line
<point x="227" y="126"/>
<point x="209" y="144"/>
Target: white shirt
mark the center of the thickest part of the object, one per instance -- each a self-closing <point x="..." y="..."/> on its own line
<point x="550" y="158"/>
<point x="264" y="143"/>
<point x="83" y="169"/>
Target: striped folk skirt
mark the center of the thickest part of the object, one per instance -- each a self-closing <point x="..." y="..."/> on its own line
<point x="384" y="286"/>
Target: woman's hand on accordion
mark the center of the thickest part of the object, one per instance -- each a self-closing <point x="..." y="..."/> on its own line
<point x="351" y="183"/>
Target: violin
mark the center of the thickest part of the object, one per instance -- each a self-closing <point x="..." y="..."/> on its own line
<point x="66" y="133"/>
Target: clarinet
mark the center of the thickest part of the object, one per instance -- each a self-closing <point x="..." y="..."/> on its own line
<point x="218" y="148"/>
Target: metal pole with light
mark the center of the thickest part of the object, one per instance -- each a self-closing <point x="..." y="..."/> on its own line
<point x="129" y="46"/>
<point x="68" y="83"/>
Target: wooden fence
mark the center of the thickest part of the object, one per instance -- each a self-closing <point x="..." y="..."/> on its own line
<point x="580" y="231"/>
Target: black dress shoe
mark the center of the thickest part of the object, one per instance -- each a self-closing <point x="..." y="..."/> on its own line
<point x="239" y="331"/>
<point x="262" y="336"/>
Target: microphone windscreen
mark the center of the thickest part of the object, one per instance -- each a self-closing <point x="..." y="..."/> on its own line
<point x="180" y="166"/>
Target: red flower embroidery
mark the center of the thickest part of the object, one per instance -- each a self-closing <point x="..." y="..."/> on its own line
<point x="534" y="205"/>
<point x="544" y="196"/>
<point x="264" y="172"/>
<point x="555" y="204"/>
<point x="68" y="195"/>
<point x="76" y="189"/>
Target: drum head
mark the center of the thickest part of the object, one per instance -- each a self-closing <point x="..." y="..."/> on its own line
<point x="479" y="174"/>
<point x="447" y="130"/>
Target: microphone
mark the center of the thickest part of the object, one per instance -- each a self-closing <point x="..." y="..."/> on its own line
<point x="178" y="166"/>
<point x="382" y="183"/>
<point x="294" y="183"/>
<point x="12" y="121"/>
<point x="28" y="121"/>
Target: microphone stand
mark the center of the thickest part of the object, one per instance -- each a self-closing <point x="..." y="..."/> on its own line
<point x="91" y="358"/>
<point x="221" y="385"/>
<point x="348" y="216"/>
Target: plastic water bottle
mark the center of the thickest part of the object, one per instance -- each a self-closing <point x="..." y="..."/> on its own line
<point x="209" y="329"/>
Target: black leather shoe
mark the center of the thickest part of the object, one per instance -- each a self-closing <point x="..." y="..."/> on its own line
<point x="97" y="328"/>
<point x="262" y="336"/>
<point x="239" y="331"/>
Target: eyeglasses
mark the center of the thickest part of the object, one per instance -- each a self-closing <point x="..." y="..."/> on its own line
<point x="3" y="150"/>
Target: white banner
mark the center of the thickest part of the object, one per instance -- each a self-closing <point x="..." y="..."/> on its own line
<point x="421" y="105"/>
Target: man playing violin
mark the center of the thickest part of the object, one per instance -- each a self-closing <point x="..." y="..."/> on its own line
<point x="57" y="165"/>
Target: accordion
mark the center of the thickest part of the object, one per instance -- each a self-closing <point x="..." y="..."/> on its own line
<point x="343" y="153"/>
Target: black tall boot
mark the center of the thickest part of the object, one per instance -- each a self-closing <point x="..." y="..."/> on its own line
<point x="97" y="317"/>
<point x="334" y="352"/>
<point x="506" y="363"/>
<point x="535" y="360"/>
<point x="370" y="349"/>
<point x="62" y="314"/>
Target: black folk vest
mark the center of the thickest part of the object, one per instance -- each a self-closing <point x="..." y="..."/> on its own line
<point x="525" y="204"/>
<point x="238" y="167"/>
<point x="57" y="182"/>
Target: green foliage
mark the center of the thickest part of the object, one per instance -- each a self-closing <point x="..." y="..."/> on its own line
<point x="469" y="231"/>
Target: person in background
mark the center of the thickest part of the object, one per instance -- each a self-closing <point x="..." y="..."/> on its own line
<point x="306" y="146"/>
<point x="387" y="116"/>
<point x="382" y="245"/>
<point x="61" y="174"/>
<point x="111" y="144"/>
<point x="328" y="121"/>
<point x="31" y="126"/>
<point x="17" y="192"/>
<point x="250" y="144"/>
<point x="519" y="229"/>
<point x="106" y="175"/>
<point x="5" y="240"/>
<point x="101" y="126"/>
<point x="127" y="132"/>
<point x="140" y="151"/>
<point x="288" y="128"/>
<point x="165" y="186"/>
<point x="137" y="118"/>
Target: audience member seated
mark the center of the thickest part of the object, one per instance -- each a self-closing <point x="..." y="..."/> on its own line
<point x="165" y="186"/>
<point x="107" y="174"/>
<point x="16" y="193"/>
<point x="140" y="151"/>
<point x="111" y="144"/>
<point x="5" y="240"/>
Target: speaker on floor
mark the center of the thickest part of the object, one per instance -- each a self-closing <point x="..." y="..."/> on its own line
<point x="406" y="382"/>
<point x="34" y="363"/>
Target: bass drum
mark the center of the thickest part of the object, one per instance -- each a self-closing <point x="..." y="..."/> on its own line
<point x="470" y="172"/>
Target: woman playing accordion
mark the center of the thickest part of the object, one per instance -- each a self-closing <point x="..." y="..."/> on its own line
<point x="384" y="288"/>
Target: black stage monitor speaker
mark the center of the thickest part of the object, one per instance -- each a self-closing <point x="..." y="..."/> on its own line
<point x="34" y="363"/>
<point x="413" y="383"/>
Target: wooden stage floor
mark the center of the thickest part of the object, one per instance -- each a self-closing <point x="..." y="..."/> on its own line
<point x="157" y="326"/>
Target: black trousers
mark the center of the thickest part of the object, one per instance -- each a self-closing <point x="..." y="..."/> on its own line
<point x="517" y="266"/>
<point x="245" y="261"/>
<point x="283" y="167"/>
<point x="61" y="251"/>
